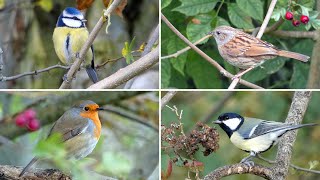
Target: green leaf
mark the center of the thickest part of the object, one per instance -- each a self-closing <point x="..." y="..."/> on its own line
<point x="175" y="44"/>
<point x="222" y="22"/>
<point x="127" y="49"/>
<point x="238" y="17"/>
<point x="165" y="3"/>
<point x="204" y="75"/>
<point x="46" y="5"/>
<point x="165" y="73"/>
<point x="254" y="8"/>
<point x="277" y="13"/>
<point x="269" y="67"/>
<point x="197" y="31"/>
<point x="300" y="75"/>
<point x="315" y="23"/>
<point x="194" y="7"/>
<point x="177" y="80"/>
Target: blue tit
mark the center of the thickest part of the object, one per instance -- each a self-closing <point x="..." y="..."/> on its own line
<point x="68" y="38"/>
<point x="253" y="135"/>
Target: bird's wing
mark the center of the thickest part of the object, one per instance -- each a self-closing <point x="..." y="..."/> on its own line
<point x="243" y="45"/>
<point x="70" y="127"/>
<point x="267" y="127"/>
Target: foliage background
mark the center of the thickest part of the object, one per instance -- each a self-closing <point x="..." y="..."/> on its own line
<point x="194" y="19"/>
<point x="26" y="29"/>
<point x="272" y="106"/>
<point x="118" y="153"/>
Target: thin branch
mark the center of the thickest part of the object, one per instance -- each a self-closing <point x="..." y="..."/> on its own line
<point x="167" y="98"/>
<point x="295" y="34"/>
<point x="178" y="53"/>
<point x="76" y="65"/>
<point x="205" y="56"/>
<point x="130" y="116"/>
<point x="291" y="165"/>
<point x="152" y="40"/>
<point x="114" y="60"/>
<point x="267" y="18"/>
<point x="125" y="74"/>
<point x="36" y="72"/>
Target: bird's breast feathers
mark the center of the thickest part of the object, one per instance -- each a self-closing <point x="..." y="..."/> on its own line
<point x="68" y="41"/>
<point x="257" y="144"/>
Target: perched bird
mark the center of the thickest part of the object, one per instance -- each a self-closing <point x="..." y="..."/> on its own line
<point x="80" y="128"/>
<point x="245" y="51"/>
<point x="68" y="38"/>
<point x="253" y="135"/>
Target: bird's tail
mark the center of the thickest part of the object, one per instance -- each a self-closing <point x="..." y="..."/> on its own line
<point x="92" y="74"/>
<point x="28" y="166"/>
<point x="293" y="127"/>
<point x="293" y="55"/>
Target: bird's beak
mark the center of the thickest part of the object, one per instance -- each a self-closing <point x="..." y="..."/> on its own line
<point x="210" y="33"/>
<point x="217" y="122"/>
<point x="100" y="108"/>
<point x="84" y="20"/>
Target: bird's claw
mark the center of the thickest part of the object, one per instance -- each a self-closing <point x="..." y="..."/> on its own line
<point x="248" y="163"/>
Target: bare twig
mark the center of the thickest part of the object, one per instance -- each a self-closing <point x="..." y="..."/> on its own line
<point x="131" y="116"/>
<point x="295" y="34"/>
<point x="178" y="53"/>
<point x="167" y="98"/>
<point x="152" y="40"/>
<point x="36" y="72"/>
<point x="128" y="72"/>
<point x="76" y="65"/>
<point x="205" y="56"/>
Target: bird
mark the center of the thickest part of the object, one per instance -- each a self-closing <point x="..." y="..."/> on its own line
<point x="69" y="35"/>
<point x="80" y="128"/>
<point x="245" y="51"/>
<point x="253" y="135"/>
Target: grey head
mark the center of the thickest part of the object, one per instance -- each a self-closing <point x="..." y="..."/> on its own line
<point x="223" y="34"/>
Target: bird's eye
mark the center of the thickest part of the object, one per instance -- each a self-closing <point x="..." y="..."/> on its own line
<point x="226" y="117"/>
<point x="86" y="108"/>
<point x="218" y="32"/>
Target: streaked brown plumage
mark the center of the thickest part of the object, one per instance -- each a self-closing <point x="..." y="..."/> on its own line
<point x="245" y="51"/>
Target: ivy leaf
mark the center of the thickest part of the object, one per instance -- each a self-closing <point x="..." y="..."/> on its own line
<point x="126" y="51"/>
<point x="194" y="7"/>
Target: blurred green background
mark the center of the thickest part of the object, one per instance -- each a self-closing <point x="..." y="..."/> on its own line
<point x="272" y="106"/>
<point x="126" y="149"/>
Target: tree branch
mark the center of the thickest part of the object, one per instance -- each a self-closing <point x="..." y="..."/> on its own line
<point x="76" y="65"/>
<point x="240" y="168"/>
<point x="296" y="112"/>
<point x="128" y="72"/>
<point x="205" y="56"/>
<point x="166" y="98"/>
<point x="295" y="34"/>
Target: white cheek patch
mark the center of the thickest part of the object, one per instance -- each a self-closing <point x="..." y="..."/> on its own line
<point x="72" y="23"/>
<point x="232" y="123"/>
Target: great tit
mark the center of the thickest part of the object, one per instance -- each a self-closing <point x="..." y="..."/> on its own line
<point x="68" y="38"/>
<point x="253" y="135"/>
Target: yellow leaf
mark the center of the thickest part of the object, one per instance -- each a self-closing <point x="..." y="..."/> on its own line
<point x="46" y="5"/>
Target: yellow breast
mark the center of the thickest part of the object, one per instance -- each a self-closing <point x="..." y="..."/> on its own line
<point x="68" y="42"/>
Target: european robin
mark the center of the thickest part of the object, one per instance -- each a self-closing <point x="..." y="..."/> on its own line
<point x="80" y="128"/>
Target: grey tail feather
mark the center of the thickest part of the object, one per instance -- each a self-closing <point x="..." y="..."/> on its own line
<point x="28" y="166"/>
<point x="293" y="127"/>
<point x="92" y="74"/>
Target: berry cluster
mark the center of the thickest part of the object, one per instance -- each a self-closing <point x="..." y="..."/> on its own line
<point x="303" y="18"/>
<point x="28" y="119"/>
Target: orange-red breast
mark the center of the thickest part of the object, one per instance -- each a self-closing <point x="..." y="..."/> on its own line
<point x="80" y="128"/>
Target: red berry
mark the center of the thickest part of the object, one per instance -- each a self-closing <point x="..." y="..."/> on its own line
<point x="29" y="114"/>
<point x="33" y="125"/>
<point x="295" y="22"/>
<point x="21" y="121"/>
<point x="304" y="19"/>
<point x="289" y="15"/>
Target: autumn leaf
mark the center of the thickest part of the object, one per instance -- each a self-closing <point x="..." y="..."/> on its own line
<point x="84" y="4"/>
<point x="119" y="9"/>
